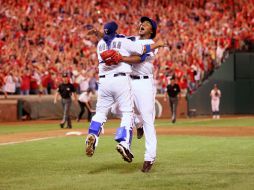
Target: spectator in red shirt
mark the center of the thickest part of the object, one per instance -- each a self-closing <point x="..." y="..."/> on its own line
<point x="25" y="82"/>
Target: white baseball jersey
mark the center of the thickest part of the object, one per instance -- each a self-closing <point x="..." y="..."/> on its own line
<point x="125" y="47"/>
<point x="214" y="96"/>
<point x="146" y="67"/>
<point x="144" y="91"/>
<point x="115" y="88"/>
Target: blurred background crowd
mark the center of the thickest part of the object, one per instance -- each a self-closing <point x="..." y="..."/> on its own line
<point x="39" y="40"/>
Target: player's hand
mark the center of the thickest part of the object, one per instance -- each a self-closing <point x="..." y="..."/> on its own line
<point x="94" y="32"/>
<point x="55" y="101"/>
<point x="162" y="43"/>
<point x="91" y="32"/>
<point x="165" y="99"/>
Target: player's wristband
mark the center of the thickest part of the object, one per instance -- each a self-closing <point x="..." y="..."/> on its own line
<point x="148" y="48"/>
<point x="144" y="56"/>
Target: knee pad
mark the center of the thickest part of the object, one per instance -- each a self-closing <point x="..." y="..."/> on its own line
<point x="95" y="128"/>
<point x="121" y="134"/>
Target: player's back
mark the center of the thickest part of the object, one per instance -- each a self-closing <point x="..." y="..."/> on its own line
<point x="125" y="47"/>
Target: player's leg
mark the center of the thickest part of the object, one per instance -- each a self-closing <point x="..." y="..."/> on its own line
<point x="124" y="100"/>
<point x="213" y="105"/>
<point x="216" y="105"/>
<point x="104" y="102"/>
<point x="138" y="123"/>
<point x="144" y="98"/>
<point x="115" y="111"/>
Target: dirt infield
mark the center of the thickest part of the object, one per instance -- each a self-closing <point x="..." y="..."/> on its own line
<point x="191" y="131"/>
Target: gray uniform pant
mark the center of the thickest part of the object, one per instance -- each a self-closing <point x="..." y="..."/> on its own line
<point x="66" y="102"/>
<point x="173" y="101"/>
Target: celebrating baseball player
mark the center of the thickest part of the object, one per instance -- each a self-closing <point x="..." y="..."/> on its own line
<point x="114" y="87"/>
<point x="144" y="90"/>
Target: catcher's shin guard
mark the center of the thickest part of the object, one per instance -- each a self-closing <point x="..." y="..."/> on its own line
<point x="121" y="134"/>
<point x="95" y="128"/>
<point x="124" y="135"/>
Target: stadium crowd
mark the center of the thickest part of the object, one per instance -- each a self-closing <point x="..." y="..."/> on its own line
<point x="39" y="40"/>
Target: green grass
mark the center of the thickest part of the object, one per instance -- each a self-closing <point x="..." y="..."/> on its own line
<point x="184" y="162"/>
<point x="208" y="122"/>
<point x="203" y="122"/>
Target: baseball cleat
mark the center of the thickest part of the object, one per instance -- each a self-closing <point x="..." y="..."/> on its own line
<point x="140" y="132"/>
<point x="90" y="145"/>
<point x="126" y="154"/>
<point x="147" y="166"/>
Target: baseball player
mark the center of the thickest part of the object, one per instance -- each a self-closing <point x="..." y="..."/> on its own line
<point x="215" y="101"/>
<point x="143" y="90"/>
<point x="114" y="87"/>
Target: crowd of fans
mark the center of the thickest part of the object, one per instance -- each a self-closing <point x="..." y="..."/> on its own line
<point x="39" y="40"/>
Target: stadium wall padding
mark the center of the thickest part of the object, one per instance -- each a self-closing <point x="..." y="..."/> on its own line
<point x="9" y="110"/>
<point x="235" y="79"/>
<point x="42" y="107"/>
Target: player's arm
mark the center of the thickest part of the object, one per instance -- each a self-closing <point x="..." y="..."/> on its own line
<point x="95" y="32"/>
<point x="135" y="48"/>
<point x="134" y="58"/>
<point x="156" y="45"/>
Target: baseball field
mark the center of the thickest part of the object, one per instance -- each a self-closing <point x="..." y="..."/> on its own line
<point x="198" y="153"/>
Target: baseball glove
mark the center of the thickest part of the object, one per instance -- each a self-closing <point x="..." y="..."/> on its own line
<point x="111" y="57"/>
